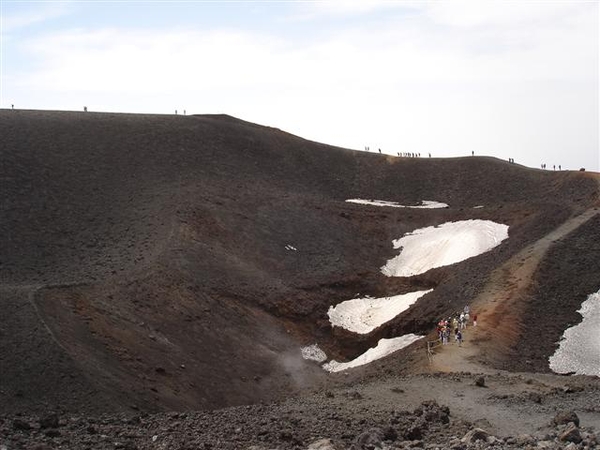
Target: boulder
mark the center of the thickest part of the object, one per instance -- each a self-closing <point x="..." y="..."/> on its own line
<point x="564" y="417"/>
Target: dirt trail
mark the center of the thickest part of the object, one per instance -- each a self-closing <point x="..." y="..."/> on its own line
<point x="499" y="307"/>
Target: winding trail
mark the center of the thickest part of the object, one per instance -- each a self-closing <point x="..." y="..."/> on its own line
<point x="498" y="306"/>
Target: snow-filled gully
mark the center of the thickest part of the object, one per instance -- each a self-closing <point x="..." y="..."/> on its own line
<point x="420" y="251"/>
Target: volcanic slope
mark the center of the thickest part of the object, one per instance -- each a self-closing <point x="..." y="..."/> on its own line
<point x="179" y="262"/>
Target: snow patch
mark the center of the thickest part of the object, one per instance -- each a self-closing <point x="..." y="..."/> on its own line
<point x="314" y="353"/>
<point x="291" y="247"/>
<point x="578" y="348"/>
<point x="363" y="315"/>
<point x="425" y="204"/>
<point x="384" y="348"/>
<point x="449" y="243"/>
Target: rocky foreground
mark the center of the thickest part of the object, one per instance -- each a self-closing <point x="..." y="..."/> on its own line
<point x="495" y="412"/>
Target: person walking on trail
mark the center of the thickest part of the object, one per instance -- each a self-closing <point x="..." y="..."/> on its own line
<point x="459" y="338"/>
<point x="474" y="319"/>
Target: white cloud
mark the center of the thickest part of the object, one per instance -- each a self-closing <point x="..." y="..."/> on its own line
<point x="43" y="12"/>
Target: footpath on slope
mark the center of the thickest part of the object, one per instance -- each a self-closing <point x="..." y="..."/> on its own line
<point x="498" y="307"/>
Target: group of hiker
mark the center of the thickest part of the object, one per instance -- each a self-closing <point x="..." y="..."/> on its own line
<point x="553" y="166"/>
<point x="455" y="325"/>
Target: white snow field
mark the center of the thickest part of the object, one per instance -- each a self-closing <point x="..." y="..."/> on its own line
<point x="314" y="353"/>
<point x="363" y="315"/>
<point x="384" y="347"/>
<point x="449" y="243"/>
<point x="425" y="204"/>
<point x="579" y="348"/>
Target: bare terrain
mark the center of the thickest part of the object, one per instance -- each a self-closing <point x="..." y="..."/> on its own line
<point x="150" y="298"/>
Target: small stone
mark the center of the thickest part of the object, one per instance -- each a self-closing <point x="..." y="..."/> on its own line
<point x="373" y="437"/>
<point x="19" y="424"/>
<point x="52" y="432"/>
<point x="414" y="433"/>
<point x="50" y="421"/>
<point x="571" y="434"/>
<point x="286" y="435"/>
<point x="476" y="434"/>
<point x="480" y="382"/>
<point x="322" y="444"/>
<point x="389" y="434"/>
<point x="493" y="440"/>
<point x="535" y="397"/>
<point x="523" y="440"/>
<point x="354" y="395"/>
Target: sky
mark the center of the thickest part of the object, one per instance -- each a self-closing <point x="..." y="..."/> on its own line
<point x="510" y="79"/>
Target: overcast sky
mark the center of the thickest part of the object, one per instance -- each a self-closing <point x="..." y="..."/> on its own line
<point x="507" y="79"/>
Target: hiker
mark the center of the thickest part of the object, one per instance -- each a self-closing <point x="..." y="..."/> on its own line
<point x="12" y="106"/>
<point x="85" y="109"/>
<point x="459" y="338"/>
<point x="472" y="152"/>
<point x="474" y="319"/>
<point x="379" y="150"/>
